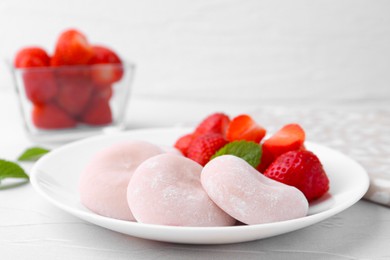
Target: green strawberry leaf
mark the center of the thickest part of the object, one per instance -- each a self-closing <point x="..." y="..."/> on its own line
<point x="249" y="151"/>
<point x="11" y="170"/>
<point x="33" y="154"/>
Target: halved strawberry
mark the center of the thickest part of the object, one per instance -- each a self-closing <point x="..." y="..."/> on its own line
<point x="301" y="169"/>
<point x="289" y="138"/>
<point x="39" y="82"/>
<point x="98" y="112"/>
<point x="108" y="67"/>
<point x="72" y="48"/>
<point x="50" y="116"/>
<point x="214" y="123"/>
<point x="203" y="147"/>
<point x="243" y="127"/>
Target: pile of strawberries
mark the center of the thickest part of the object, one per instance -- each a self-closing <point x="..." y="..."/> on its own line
<point x="284" y="157"/>
<point x="74" y="85"/>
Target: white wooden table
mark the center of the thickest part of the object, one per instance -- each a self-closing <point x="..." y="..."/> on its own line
<point x="31" y="228"/>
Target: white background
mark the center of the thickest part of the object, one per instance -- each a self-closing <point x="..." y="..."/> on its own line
<point x="253" y="51"/>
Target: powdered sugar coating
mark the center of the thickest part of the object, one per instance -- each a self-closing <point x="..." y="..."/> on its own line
<point x="103" y="184"/>
<point x="166" y="190"/>
<point x="249" y="196"/>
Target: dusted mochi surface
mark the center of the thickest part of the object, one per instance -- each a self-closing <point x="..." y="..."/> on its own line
<point x="103" y="184"/>
<point x="166" y="190"/>
<point x="249" y="196"/>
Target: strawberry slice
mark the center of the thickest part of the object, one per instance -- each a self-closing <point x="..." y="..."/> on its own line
<point x="98" y="112"/>
<point x="289" y="138"/>
<point x="50" y="116"/>
<point x="109" y="66"/>
<point x="243" y="127"/>
<point x="39" y="83"/>
<point x="214" y="123"/>
<point x="205" y="146"/>
<point x="72" y="48"/>
<point x="301" y="169"/>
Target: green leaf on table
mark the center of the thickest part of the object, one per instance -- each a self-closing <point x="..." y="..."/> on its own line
<point x="11" y="170"/>
<point x="249" y="151"/>
<point x="33" y="154"/>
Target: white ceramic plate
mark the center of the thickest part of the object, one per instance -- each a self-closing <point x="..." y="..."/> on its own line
<point x="56" y="177"/>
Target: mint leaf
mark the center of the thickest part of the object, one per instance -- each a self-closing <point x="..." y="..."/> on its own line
<point x="249" y="151"/>
<point x="11" y="170"/>
<point x="33" y="154"/>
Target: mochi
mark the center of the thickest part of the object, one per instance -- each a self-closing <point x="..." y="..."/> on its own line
<point x="249" y="196"/>
<point x="166" y="190"/>
<point x="103" y="184"/>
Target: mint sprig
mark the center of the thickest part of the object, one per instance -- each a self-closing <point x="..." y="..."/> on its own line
<point x="249" y="151"/>
<point x="10" y="169"/>
<point x="13" y="170"/>
<point x="33" y="154"/>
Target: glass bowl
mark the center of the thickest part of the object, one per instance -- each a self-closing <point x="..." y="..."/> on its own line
<point x="61" y="104"/>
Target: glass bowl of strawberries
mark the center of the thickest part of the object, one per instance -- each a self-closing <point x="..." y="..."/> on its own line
<point x="79" y="90"/>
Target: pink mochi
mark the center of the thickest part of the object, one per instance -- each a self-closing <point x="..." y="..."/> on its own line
<point x="249" y="196"/>
<point x="166" y="190"/>
<point x="103" y="184"/>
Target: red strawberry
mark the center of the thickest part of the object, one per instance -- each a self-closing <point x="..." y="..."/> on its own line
<point x="109" y="66"/>
<point x="289" y="138"/>
<point x="31" y="57"/>
<point x="74" y="95"/>
<point x="214" y="123"/>
<point x="72" y="48"/>
<point x="266" y="159"/>
<point x="50" y="116"/>
<point x="301" y="169"/>
<point x="98" y="112"/>
<point x="105" y="92"/>
<point x="183" y="143"/>
<point x="205" y="146"/>
<point x="39" y="82"/>
<point x="243" y="127"/>
<point x="40" y="85"/>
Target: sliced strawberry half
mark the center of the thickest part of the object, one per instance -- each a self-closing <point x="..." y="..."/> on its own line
<point x="50" y="116"/>
<point x="243" y="127"/>
<point x="289" y="138"/>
